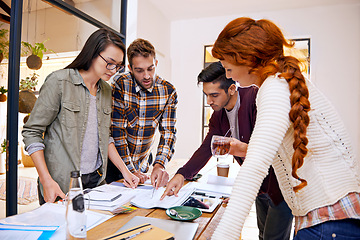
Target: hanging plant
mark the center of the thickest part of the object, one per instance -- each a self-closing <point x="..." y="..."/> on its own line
<point x="27" y="97"/>
<point x="29" y="82"/>
<point x="34" y="61"/>
<point x="3" y="146"/>
<point x="2" y="94"/>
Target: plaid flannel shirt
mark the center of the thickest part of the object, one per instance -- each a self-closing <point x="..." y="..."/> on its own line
<point x="136" y="115"/>
<point x="347" y="207"/>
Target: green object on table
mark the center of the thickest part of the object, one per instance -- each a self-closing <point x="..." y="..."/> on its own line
<point x="187" y="213"/>
<point x="196" y="177"/>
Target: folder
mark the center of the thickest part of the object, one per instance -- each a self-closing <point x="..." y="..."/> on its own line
<point x="181" y="230"/>
<point x="144" y="231"/>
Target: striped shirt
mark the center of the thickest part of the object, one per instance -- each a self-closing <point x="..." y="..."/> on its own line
<point x="136" y="115"/>
<point x="347" y="207"/>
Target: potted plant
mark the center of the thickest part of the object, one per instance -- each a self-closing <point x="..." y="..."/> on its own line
<point x="27" y="97"/>
<point x="34" y="61"/>
<point x="4" y="43"/>
<point x="3" y="146"/>
<point x="29" y="83"/>
<point x="27" y="101"/>
<point x="2" y="94"/>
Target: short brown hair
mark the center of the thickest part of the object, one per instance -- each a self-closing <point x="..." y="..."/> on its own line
<point x="140" y="47"/>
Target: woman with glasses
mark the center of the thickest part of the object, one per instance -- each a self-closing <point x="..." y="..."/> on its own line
<point x="69" y="127"/>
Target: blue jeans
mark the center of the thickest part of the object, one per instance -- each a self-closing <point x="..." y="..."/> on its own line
<point x="347" y="229"/>
<point x="274" y="222"/>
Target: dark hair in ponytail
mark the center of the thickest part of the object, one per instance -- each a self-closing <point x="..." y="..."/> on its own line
<point x="259" y="45"/>
<point x="94" y="45"/>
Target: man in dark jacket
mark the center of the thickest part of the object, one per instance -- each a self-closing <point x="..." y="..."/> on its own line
<point x="235" y="109"/>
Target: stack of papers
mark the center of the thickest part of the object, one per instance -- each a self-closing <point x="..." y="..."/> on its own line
<point x="108" y="197"/>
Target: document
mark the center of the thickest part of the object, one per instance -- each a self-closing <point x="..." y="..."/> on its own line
<point x="155" y="202"/>
<point x="43" y="220"/>
<point x="20" y="234"/>
<point x="16" y="231"/>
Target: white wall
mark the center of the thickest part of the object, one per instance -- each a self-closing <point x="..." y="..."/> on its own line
<point x="154" y="27"/>
<point x="65" y="32"/>
<point x="335" y="61"/>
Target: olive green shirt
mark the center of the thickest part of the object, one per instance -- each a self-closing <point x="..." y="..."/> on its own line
<point x="60" y="115"/>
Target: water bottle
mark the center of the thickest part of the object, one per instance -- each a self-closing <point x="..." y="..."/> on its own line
<point x="75" y="209"/>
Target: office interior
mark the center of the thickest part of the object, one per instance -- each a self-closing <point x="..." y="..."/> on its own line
<point x="180" y="30"/>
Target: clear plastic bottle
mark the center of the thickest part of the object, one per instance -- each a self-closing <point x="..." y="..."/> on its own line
<point x="75" y="209"/>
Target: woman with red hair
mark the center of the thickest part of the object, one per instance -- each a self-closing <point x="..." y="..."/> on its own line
<point x="297" y="131"/>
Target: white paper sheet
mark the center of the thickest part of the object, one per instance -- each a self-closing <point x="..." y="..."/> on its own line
<point x="51" y="214"/>
<point x="23" y="235"/>
<point x="144" y="198"/>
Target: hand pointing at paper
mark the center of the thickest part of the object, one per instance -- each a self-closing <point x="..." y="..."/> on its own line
<point x="174" y="186"/>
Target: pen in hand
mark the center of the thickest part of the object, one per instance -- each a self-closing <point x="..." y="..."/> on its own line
<point x="154" y="188"/>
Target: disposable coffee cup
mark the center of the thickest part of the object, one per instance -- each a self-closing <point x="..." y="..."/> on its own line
<point x="223" y="169"/>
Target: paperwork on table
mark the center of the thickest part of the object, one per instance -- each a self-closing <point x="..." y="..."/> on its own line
<point x="108" y="197"/>
<point x="144" y="198"/>
<point x="220" y="187"/>
<point x="46" y="222"/>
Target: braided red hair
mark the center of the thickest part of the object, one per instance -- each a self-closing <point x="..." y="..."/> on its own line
<point x="259" y="45"/>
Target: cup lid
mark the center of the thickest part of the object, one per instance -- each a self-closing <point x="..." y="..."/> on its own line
<point x="224" y="165"/>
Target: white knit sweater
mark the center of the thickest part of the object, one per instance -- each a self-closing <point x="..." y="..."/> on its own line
<point x="330" y="167"/>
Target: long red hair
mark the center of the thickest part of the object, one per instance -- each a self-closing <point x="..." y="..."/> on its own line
<point x="260" y="46"/>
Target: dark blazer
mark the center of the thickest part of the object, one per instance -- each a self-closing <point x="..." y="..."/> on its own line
<point x="219" y="125"/>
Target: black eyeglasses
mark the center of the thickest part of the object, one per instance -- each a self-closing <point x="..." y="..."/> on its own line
<point x="112" y="66"/>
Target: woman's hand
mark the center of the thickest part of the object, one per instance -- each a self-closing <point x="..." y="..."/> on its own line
<point x="51" y="190"/>
<point x="131" y="181"/>
<point x="238" y="148"/>
<point x="174" y="186"/>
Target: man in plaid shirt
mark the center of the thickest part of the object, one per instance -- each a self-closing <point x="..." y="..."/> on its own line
<point x="142" y="101"/>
